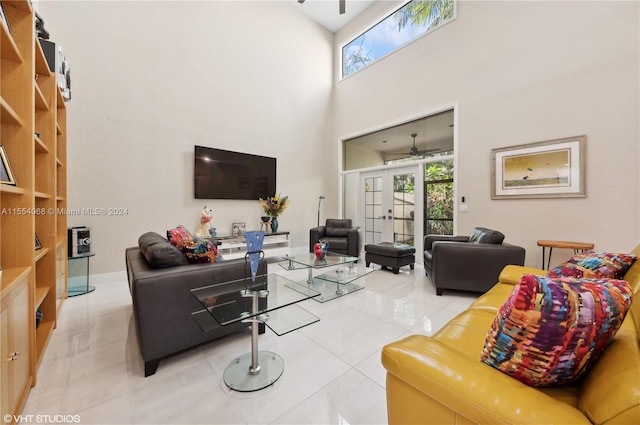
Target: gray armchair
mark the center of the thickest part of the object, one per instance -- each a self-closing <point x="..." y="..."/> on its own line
<point x="342" y="237"/>
<point x="468" y="263"/>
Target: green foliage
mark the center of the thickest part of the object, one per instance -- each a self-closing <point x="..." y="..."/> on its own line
<point x="404" y="183"/>
<point x="439" y="198"/>
<point x="424" y="12"/>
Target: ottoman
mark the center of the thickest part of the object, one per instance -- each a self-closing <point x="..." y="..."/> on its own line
<point x="389" y="254"/>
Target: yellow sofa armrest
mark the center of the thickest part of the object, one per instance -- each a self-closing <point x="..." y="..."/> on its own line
<point x="470" y="388"/>
<point x="511" y="274"/>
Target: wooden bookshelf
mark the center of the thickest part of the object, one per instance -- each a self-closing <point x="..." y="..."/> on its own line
<point x="33" y="134"/>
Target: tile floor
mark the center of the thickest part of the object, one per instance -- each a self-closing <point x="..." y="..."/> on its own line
<point x="333" y="375"/>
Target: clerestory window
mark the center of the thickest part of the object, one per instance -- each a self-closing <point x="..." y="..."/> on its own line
<point x="410" y="21"/>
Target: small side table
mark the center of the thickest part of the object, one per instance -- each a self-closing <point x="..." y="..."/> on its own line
<point x="576" y="246"/>
<point x="84" y="287"/>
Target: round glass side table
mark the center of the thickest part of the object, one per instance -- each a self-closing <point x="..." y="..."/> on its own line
<point x="80" y="279"/>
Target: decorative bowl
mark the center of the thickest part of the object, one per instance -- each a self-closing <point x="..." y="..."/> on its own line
<point x="265" y="218"/>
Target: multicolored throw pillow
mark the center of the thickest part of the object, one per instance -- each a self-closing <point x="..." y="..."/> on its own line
<point x="178" y="234"/>
<point x="594" y="265"/>
<point x="195" y="250"/>
<point x="551" y="330"/>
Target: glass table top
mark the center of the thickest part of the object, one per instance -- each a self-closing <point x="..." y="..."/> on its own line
<point x="274" y="293"/>
<point x="308" y="259"/>
<point x="262" y="301"/>
<point x="333" y="283"/>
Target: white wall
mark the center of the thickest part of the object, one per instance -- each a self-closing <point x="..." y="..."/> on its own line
<point x="356" y="156"/>
<point x="520" y="72"/>
<point x="152" y="79"/>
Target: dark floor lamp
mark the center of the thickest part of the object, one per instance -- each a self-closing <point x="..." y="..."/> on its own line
<point x="319" y="202"/>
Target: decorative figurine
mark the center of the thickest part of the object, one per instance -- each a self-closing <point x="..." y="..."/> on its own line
<point x="206" y="225"/>
<point x="321" y="249"/>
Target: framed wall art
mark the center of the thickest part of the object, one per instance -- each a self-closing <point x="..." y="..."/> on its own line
<point x="549" y="169"/>
<point x="238" y="229"/>
<point x="6" y="175"/>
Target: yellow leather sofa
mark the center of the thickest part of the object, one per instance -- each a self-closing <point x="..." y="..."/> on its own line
<point x="440" y="379"/>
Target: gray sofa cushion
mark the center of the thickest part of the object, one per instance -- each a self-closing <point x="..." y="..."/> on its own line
<point x="483" y="235"/>
<point x="158" y="252"/>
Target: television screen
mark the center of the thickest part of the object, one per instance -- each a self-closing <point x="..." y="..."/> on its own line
<point x="220" y="174"/>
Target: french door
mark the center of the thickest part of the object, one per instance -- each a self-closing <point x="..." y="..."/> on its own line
<point x="390" y="205"/>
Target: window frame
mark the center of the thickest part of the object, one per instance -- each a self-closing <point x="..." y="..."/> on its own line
<point x="377" y="22"/>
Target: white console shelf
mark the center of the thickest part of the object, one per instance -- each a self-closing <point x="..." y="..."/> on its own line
<point x="274" y="245"/>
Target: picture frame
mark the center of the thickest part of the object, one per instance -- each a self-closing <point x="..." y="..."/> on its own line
<point x="549" y="169"/>
<point x="38" y="244"/>
<point x="238" y="229"/>
<point x="6" y="174"/>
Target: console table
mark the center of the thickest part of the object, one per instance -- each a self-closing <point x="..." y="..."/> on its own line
<point x="576" y="246"/>
<point x="275" y="244"/>
<point x="260" y="302"/>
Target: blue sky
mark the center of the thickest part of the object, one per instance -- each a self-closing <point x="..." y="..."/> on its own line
<point x="383" y="38"/>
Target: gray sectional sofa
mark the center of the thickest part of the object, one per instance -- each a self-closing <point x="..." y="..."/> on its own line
<point x="160" y="282"/>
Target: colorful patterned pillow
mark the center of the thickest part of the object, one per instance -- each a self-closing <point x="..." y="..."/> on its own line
<point x="194" y="250"/>
<point x="201" y="251"/>
<point x="594" y="265"/>
<point x="550" y="331"/>
<point x="177" y="234"/>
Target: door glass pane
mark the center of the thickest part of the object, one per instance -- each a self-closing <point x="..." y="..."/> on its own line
<point x="403" y="208"/>
<point x="373" y="207"/>
<point x="377" y="184"/>
<point x="377" y="211"/>
<point x="368" y="211"/>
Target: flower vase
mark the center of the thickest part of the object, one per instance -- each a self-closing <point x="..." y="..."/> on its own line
<point x="274" y="225"/>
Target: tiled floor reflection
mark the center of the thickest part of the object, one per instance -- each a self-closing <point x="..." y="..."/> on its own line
<point x="333" y="375"/>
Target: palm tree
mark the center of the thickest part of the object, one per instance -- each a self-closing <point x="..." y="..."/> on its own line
<point x="424" y="12"/>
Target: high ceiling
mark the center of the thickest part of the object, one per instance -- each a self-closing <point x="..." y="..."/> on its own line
<point x="326" y="12"/>
<point x="433" y="133"/>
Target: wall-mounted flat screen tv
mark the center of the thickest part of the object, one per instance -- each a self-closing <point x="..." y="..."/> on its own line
<point x="220" y="174"/>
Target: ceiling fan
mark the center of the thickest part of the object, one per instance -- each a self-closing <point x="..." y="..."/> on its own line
<point x="414" y="151"/>
<point x="342" y="5"/>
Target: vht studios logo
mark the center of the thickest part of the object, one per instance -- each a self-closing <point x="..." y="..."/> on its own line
<point x="42" y="419"/>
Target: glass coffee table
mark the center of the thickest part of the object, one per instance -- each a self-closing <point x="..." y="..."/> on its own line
<point x="260" y="302"/>
<point x="331" y="284"/>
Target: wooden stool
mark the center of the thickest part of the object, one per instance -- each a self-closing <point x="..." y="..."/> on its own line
<point x="576" y="246"/>
<point x="266" y="226"/>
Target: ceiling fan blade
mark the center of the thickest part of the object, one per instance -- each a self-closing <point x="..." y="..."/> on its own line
<point x="412" y="153"/>
<point x="342" y="6"/>
<point x="427" y="151"/>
